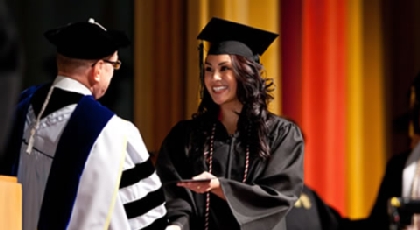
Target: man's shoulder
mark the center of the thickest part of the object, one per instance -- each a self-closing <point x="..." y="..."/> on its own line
<point x="90" y="116"/>
<point x="90" y="107"/>
<point x="123" y="123"/>
<point x="117" y="126"/>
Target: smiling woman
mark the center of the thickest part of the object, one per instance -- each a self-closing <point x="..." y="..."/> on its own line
<point x="219" y="79"/>
<point x="233" y="141"/>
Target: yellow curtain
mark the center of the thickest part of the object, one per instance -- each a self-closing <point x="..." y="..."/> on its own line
<point x="265" y="14"/>
<point x="143" y="70"/>
<point x="166" y="59"/>
<point x="374" y="103"/>
<point x="366" y="125"/>
<point x="158" y="72"/>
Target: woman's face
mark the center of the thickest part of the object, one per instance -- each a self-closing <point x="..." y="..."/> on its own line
<point x="219" y="79"/>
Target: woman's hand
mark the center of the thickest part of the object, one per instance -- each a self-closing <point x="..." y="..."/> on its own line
<point x="173" y="227"/>
<point x="202" y="187"/>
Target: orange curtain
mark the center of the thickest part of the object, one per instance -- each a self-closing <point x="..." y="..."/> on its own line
<point x="323" y="97"/>
<point x="314" y="75"/>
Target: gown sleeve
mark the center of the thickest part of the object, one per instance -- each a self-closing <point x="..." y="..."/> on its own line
<point x="140" y="191"/>
<point x="329" y="217"/>
<point x="171" y="159"/>
<point x="265" y="202"/>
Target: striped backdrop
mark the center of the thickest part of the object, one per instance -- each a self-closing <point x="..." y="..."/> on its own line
<point x="332" y="84"/>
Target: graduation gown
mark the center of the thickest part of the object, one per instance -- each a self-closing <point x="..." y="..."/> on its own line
<point x="272" y="186"/>
<point x="88" y="168"/>
<point x="316" y="214"/>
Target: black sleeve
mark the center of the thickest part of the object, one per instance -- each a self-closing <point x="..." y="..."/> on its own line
<point x="171" y="159"/>
<point x="264" y="203"/>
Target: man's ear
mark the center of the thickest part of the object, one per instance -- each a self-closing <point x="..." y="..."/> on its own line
<point x="96" y="73"/>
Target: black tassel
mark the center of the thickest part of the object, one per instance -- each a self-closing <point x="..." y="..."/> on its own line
<point x="201" y="67"/>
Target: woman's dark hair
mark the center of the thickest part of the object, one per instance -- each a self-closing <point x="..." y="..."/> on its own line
<point x="253" y="93"/>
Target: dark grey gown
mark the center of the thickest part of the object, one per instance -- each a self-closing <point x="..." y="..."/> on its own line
<point x="272" y="188"/>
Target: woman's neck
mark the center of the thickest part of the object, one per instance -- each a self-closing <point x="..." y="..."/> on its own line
<point x="229" y="116"/>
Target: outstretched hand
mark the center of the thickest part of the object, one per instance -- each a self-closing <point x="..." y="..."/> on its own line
<point x="201" y="187"/>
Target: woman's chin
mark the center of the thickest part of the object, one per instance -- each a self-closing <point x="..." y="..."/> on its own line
<point x="219" y="102"/>
<point x="222" y="99"/>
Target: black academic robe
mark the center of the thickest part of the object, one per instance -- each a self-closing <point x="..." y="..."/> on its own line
<point x="311" y="213"/>
<point x="391" y="186"/>
<point x="272" y="186"/>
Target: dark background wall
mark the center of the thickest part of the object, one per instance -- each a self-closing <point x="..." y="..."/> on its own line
<point x="35" y="17"/>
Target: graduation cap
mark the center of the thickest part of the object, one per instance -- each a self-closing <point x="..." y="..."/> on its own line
<point x="86" y="40"/>
<point x="226" y="37"/>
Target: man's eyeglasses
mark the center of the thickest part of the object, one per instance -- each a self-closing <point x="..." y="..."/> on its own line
<point x="115" y="64"/>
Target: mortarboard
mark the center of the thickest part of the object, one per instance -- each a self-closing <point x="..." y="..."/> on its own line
<point x="226" y="37"/>
<point x="86" y="40"/>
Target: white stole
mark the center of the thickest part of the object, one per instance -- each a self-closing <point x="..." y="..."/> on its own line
<point x="100" y="181"/>
<point x="408" y="180"/>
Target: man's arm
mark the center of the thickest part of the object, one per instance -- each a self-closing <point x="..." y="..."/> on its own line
<point x="140" y="188"/>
